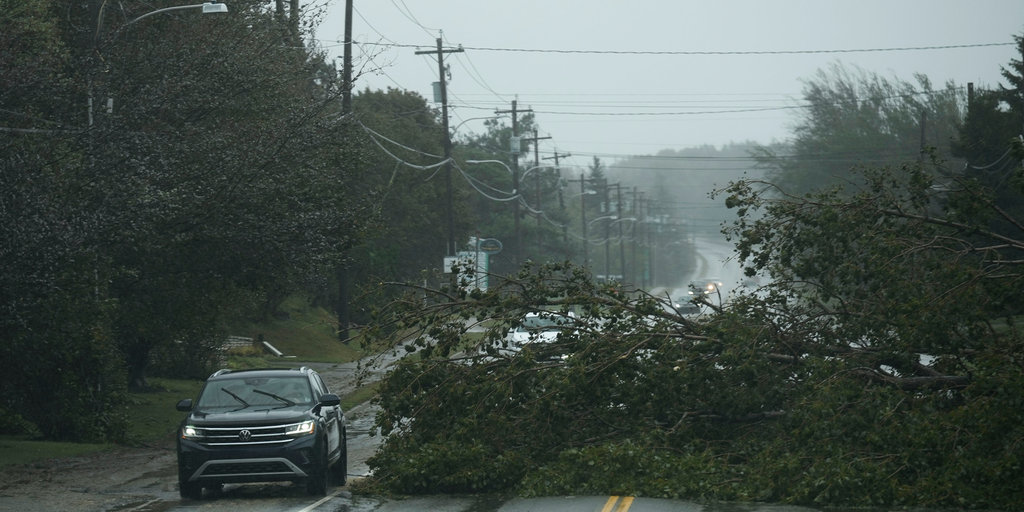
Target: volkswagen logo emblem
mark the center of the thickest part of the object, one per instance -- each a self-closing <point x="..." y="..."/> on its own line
<point x="244" y="436"/>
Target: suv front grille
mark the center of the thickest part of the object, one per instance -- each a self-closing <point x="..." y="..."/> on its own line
<point x="245" y="436"/>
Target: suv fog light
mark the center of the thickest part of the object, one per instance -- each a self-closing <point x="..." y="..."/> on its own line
<point x="300" y="429"/>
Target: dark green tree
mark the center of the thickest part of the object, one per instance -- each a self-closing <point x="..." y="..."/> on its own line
<point x="131" y="228"/>
<point x="992" y="127"/>
<point x="65" y="379"/>
<point x="854" y="118"/>
<point x="402" y="140"/>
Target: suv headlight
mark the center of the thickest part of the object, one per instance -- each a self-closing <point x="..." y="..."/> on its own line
<point x="300" y="429"/>
<point x="190" y="432"/>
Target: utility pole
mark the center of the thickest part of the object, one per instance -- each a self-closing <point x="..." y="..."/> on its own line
<point x="561" y="201"/>
<point x="632" y="238"/>
<point x="346" y="109"/>
<point x="536" y="163"/>
<point x="970" y="97"/>
<point x="536" y="180"/>
<point x="924" y="121"/>
<point x="583" y="210"/>
<point x="643" y="238"/>
<point x="622" y="245"/>
<point x="447" y="141"/>
<point x="515" y="147"/>
<point x="607" y="233"/>
<point x="346" y="67"/>
<point x="652" y="239"/>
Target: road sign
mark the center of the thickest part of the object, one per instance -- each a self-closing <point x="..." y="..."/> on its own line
<point x="490" y="246"/>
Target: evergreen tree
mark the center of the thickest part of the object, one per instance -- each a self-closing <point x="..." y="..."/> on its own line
<point x="987" y="138"/>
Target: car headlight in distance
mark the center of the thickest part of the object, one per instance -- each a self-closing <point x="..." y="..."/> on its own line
<point x="190" y="432"/>
<point x="300" y="429"/>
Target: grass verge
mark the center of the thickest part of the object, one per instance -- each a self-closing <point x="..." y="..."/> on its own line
<point x="359" y="396"/>
<point x="151" y="415"/>
<point x="307" y="333"/>
<point x="22" y="450"/>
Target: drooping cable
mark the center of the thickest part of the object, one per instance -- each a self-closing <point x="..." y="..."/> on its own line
<point x="368" y="129"/>
<point x="403" y="162"/>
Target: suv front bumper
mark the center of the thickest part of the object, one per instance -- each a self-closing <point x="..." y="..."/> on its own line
<point x="293" y="461"/>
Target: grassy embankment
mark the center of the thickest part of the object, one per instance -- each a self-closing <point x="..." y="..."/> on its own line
<point x="307" y="334"/>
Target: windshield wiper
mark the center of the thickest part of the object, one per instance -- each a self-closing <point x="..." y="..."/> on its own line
<point x="271" y="395"/>
<point x="236" y="397"/>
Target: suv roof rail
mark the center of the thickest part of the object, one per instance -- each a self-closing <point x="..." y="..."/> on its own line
<point x="220" y="372"/>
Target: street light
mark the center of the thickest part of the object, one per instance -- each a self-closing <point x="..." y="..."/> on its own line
<point x="208" y="8"/>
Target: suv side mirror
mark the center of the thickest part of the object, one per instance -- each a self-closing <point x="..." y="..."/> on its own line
<point x="184" y="405"/>
<point x="330" y="400"/>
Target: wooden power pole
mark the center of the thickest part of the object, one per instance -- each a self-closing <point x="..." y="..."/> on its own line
<point x="515" y="147"/>
<point x="447" y="141"/>
<point x="346" y="108"/>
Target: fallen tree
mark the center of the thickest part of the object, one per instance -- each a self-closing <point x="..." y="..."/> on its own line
<point x="882" y="365"/>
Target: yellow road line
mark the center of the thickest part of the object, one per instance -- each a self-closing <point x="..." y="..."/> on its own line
<point x="623" y="506"/>
<point x="611" y="503"/>
<point x="626" y="503"/>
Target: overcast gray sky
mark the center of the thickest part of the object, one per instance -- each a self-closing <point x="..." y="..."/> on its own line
<point x="613" y="105"/>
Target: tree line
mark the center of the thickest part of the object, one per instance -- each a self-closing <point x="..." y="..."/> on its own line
<point x="164" y="177"/>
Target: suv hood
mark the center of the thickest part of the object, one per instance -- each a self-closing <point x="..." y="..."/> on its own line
<point x="251" y="416"/>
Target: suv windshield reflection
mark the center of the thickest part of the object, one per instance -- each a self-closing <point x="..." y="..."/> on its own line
<point x="253" y="392"/>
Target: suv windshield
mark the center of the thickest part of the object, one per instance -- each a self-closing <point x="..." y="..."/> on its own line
<point x="260" y="391"/>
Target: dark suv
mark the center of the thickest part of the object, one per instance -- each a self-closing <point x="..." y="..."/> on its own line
<point x="262" y="426"/>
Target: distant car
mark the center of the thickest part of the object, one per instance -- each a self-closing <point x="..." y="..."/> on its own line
<point x="706" y="285"/>
<point x="542" y="327"/>
<point x="689" y="309"/>
<point x="262" y="426"/>
<point x="684" y="305"/>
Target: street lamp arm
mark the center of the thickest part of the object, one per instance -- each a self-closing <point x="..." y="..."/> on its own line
<point x="207" y="7"/>
<point x="456" y="129"/>
<point x="606" y="217"/>
<point x="535" y="168"/>
<point x="165" y="9"/>
<point x="489" y="162"/>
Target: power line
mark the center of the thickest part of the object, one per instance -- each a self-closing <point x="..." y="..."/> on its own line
<point x="408" y="14"/>
<point x="752" y="52"/>
<point x="614" y="114"/>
